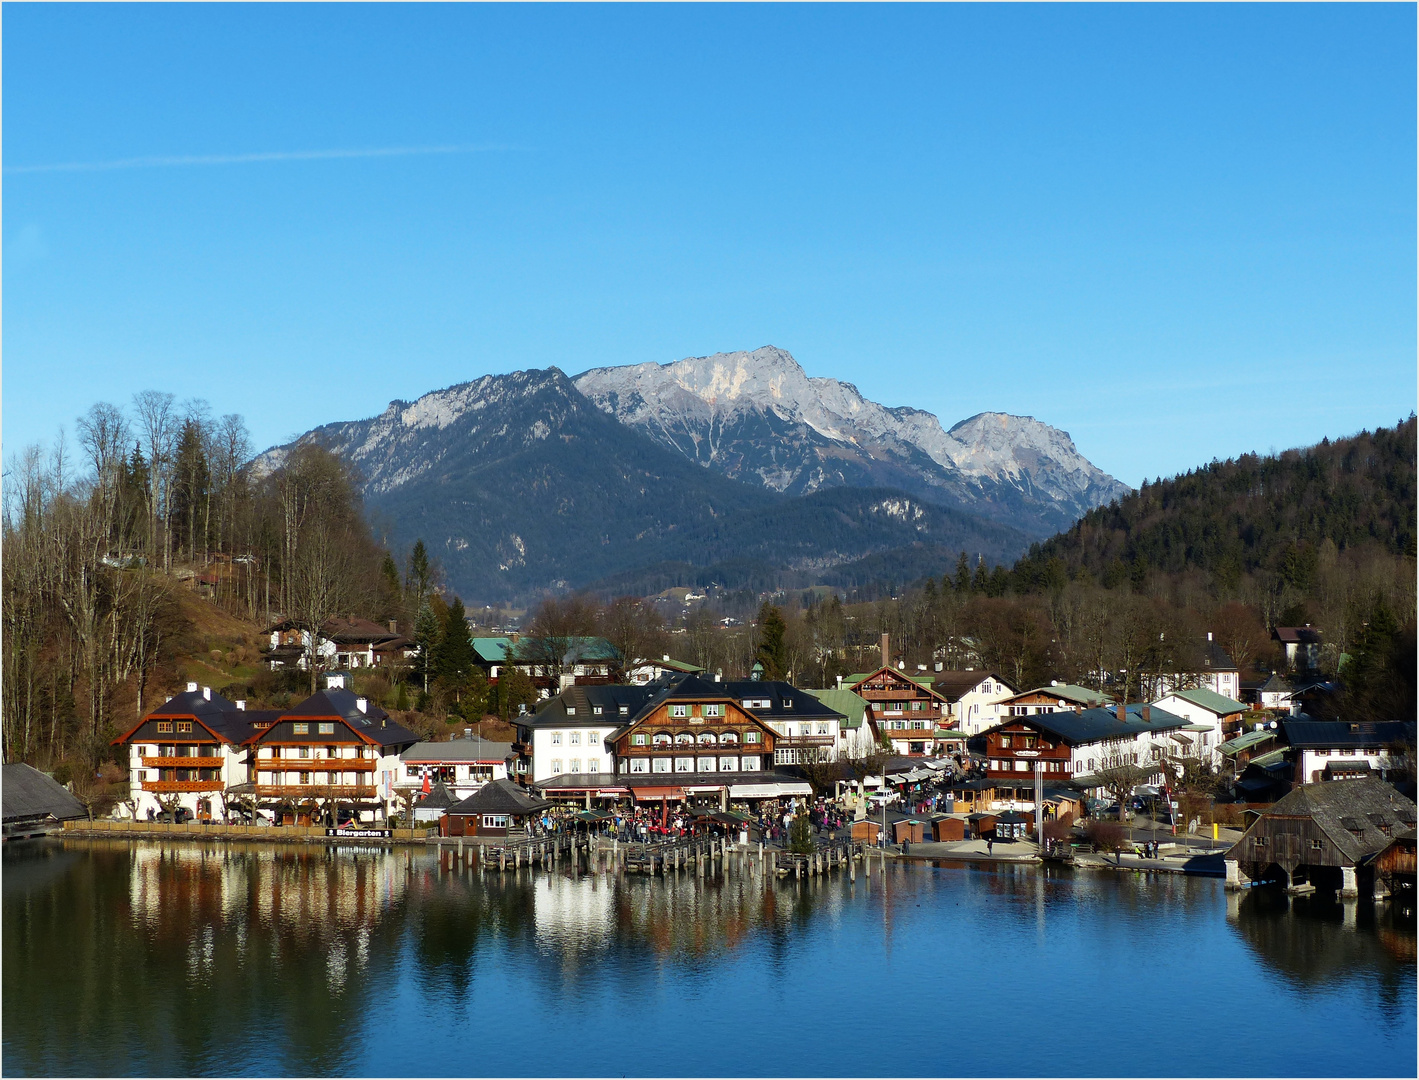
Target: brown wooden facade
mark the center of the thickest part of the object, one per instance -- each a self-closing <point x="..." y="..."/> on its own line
<point x="903" y="710"/>
<point x="689" y="736"/>
<point x="1014" y="748"/>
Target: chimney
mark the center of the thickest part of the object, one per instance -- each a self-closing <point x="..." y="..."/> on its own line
<point x="393" y="626"/>
<point x="1122" y="712"/>
<point x="468" y="733"/>
<point x="207" y="693"/>
<point x="192" y="688"/>
<point x="241" y="705"/>
<point x="1078" y="708"/>
<point x="1148" y="714"/>
<point x="1209" y="635"/>
<point x="665" y="659"/>
<point x="362" y="704"/>
<point x="840" y="682"/>
<point x="886" y="651"/>
<point x="566" y="682"/>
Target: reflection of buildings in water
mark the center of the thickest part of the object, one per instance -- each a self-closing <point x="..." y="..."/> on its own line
<point x="325" y="899"/>
<point x="579" y="913"/>
<point x="1314" y="941"/>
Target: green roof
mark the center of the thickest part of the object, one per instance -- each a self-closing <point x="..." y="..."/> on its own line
<point x="1081" y="694"/>
<point x="1275" y="757"/>
<point x="494" y="650"/>
<point x="1210" y="700"/>
<point x="1245" y="742"/>
<point x="846" y="702"/>
<point x="675" y="665"/>
<point x="491" y="649"/>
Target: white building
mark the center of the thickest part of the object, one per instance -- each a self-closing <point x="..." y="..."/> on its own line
<point x="1205" y="711"/>
<point x="461" y="765"/>
<point x="974" y="697"/>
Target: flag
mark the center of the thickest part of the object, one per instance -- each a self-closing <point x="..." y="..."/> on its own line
<point x="426" y="781"/>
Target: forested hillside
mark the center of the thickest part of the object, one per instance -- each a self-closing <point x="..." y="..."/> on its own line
<point x="1230" y="518"/>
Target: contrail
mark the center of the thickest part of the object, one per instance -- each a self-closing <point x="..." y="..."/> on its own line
<point x="247" y="159"/>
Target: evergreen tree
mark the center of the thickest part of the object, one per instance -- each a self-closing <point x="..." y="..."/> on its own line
<point x="427" y="635"/>
<point x="420" y="576"/>
<point x="773" y="649"/>
<point x="390" y="572"/>
<point x="454" y="659"/>
<point x="963" y="574"/>
<point x="981" y="582"/>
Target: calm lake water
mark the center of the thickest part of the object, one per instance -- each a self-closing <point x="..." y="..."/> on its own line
<point x="127" y="959"/>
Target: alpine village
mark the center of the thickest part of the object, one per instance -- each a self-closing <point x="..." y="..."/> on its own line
<point x="1210" y="675"/>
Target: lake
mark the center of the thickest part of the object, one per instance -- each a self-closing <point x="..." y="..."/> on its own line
<point x="131" y="958"/>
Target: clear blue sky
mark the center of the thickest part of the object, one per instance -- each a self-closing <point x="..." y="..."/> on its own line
<point x="1176" y="232"/>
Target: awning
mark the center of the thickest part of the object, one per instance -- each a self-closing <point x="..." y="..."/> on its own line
<point x="658" y="792"/>
<point x="769" y="791"/>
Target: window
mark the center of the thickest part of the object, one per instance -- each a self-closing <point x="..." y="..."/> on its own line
<point x="822" y="729"/>
<point x="714" y="710"/>
<point x="593" y="765"/>
<point x="1259" y="841"/>
<point x="1316" y="845"/>
<point x="638" y="739"/>
<point x="660" y="739"/>
<point x="571" y="710"/>
<point x="556" y="738"/>
<point x="574" y="766"/>
<point x="299" y="729"/>
<point x="1005" y="742"/>
<point x="184" y="727"/>
<point x="706" y="738"/>
<point x="684" y="739"/>
<point x="495" y="821"/>
<point x="750" y="764"/>
<point x="574" y="738"/>
<point x="709" y="764"/>
<point x="305" y="778"/>
<point x="596" y="710"/>
<point x="411" y="771"/>
<point x="787" y="703"/>
<point x="728" y="739"/>
<point x="917" y="706"/>
<point x="164" y="728"/>
<point x="728" y="764"/>
<point x="679" y="711"/>
<point x="638" y="765"/>
<point x="684" y="764"/>
<point x="325" y="729"/>
<point x="751" y="736"/>
<point x="556" y="765"/>
<point x="918" y="725"/>
<point x="660" y="764"/>
<point x="303" y="752"/>
<point x="624" y="710"/>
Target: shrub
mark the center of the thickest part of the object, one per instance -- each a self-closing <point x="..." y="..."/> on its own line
<point x="1106" y="835"/>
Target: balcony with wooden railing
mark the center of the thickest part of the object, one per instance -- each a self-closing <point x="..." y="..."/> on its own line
<point x="182" y="762"/>
<point x="315" y="791"/>
<point x="786" y="742"/>
<point x="315" y="764"/>
<point x="179" y="786"/>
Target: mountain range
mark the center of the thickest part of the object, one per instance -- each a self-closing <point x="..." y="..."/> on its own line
<point x="736" y="469"/>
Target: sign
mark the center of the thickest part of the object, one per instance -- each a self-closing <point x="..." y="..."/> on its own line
<point x="368" y="834"/>
<point x="1027" y="753"/>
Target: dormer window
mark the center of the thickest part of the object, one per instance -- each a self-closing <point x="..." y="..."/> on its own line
<point x="787" y="702"/>
<point x="624" y="710"/>
<point x="300" y="729"/>
<point x="571" y="710"/>
<point x="596" y="710"/>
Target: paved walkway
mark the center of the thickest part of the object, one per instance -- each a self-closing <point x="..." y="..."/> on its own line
<point x="975" y="851"/>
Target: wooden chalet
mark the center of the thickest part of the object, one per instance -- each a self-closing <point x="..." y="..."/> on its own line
<point x="694" y="735"/>
<point x="498" y="808"/>
<point x="188" y="752"/>
<point x="333" y="751"/>
<point x="1322" y="836"/>
<point x="907" y="711"/>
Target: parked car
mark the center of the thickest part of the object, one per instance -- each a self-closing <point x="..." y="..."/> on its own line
<point x="175" y="817"/>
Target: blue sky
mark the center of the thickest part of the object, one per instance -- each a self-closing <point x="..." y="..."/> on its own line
<point x="1176" y="232"/>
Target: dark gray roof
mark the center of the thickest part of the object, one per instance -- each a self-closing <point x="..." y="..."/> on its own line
<point x="952" y="685"/>
<point x="785" y="700"/>
<point x="28" y="793"/>
<point x="1347" y="811"/>
<point x="1094" y="725"/>
<point x="195" y="703"/>
<point x="499" y="797"/>
<point x="587" y="699"/>
<point x="437" y="799"/>
<point x="1343" y="735"/>
<point x="373" y="722"/>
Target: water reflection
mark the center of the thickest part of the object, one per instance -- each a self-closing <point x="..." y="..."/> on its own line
<point x="128" y="957"/>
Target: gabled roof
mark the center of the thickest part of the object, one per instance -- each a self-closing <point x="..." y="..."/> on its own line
<point x="1296" y="635"/>
<point x="471" y="749"/>
<point x="491" y="650"/>
<point x="1096" y="725"/>
<point x="785" y="700"/>
<point x="28" y="793"/>
<point x="372" y="723"/>
<point x="845" y="703"/>
<point x="1344" y="735"/>
<point x="667" y="664"/>
<point x="499" y="797"/>
<point x="853" y="682"/>
<point x="1075" y="695"/>
<point x="1349" y="812"/>
<point x="585" y="700"/>
<point x="217" y="714"/>
<point x="954" y="685"/>
<point x="1210" y="700"/>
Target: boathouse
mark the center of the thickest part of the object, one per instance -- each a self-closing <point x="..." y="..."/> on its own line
<point x="1321" y="836"/>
